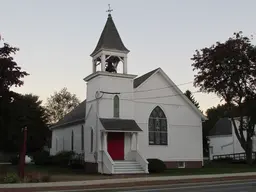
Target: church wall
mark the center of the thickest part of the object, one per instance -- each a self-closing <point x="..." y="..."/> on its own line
<point x="121" y="85"/>
<point x="90" y="124"/>
<point x="61" y="139"/>
<point x="184" y="125"/>
<point x="92" y="88"/>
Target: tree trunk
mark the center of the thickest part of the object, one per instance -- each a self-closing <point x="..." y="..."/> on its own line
<point x="248" y="151"/>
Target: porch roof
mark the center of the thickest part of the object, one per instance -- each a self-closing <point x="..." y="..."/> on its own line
<point x="123" y="125"/>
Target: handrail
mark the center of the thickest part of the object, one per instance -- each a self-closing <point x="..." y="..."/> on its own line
<point x="142" y="157"/>
<point x="142" y="160"/>
<point x="107" y="161"/>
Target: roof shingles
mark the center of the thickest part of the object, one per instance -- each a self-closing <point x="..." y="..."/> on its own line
<point x="110" y="38"/>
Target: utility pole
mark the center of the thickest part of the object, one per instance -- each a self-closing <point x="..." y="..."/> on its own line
<point x="23" y="154"/>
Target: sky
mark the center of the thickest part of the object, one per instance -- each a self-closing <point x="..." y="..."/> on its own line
<point x="56" y="37"/>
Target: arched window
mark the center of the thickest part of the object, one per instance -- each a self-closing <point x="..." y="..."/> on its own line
<point x="91" y="140"/>
<point x="72" y="141"/>
<point x="116" y="106"/>
<point x="157" y="127"/>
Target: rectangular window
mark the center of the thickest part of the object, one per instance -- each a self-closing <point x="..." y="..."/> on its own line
<point x="91" y="140"/>
<point x="181" y="164"/>
<point x="82" y="138"/>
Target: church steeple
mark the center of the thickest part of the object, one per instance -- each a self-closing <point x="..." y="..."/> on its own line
<point x="110" y="49"/>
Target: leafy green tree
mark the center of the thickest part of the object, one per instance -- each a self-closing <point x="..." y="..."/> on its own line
<point x="60" y="103"/>
<point x="229" y="70"/>
<point x="26" y="111"/>
<point x="10" y="75"/>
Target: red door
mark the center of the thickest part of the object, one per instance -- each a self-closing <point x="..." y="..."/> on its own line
<point x="116" y="145"/>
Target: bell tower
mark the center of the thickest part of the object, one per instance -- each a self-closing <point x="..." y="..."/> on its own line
<point x="110" y="51"/>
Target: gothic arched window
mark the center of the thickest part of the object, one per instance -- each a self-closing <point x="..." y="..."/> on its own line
<point x="116" y="106"/>
<point x="157" y="127"/>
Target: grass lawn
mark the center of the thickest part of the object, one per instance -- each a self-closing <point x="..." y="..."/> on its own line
<point x="218" y="168"/>
<point x="66" y="174"/>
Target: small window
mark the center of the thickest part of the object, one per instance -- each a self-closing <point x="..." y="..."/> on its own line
<point x="56" y="144"/>
<point x="116" y="106"/>
<point x="181" y="164"/>
<point x="91" y="140"/>
<point x="72" y="141"/>
<point x="211" y="150"/>
<point x="82" y="138"/>
<point x="63" y="143"/>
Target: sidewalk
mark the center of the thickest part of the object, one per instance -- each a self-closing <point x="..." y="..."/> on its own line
<point x="127" y="182"/>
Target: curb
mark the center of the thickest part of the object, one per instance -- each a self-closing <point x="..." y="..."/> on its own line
<point x="107" y="183"/>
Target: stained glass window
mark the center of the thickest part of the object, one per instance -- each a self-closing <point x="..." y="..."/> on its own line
<point x="157" y="126"/>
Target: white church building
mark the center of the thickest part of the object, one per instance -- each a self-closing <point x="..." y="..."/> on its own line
<point x="127" y="119"/>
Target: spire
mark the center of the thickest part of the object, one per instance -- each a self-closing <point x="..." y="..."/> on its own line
<point x="110" y="38"/>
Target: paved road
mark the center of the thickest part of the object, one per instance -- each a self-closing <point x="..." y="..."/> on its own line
<point x="240" y="186"/>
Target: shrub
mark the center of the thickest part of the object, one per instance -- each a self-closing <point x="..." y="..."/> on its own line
<point x="77" y="161"/>
<point x="62" y="158"/>
<point x="156" y="166"/>
<point x="11" y="178"/>
<point x="42" y="158"/>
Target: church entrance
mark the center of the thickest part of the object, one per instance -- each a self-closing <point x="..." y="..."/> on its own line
<point x="116" y="145"/>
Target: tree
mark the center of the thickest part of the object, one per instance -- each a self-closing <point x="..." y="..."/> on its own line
<point x="61" y="103"/>
<point x="191" y="97"/>
<point x="206" y="125"/>
<point x="10" y="75"/>
<point x="229" y="70"/>
<point x="26" y="111"/>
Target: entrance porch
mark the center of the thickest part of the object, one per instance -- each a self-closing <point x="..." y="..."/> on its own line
<point x="119" y="152"/>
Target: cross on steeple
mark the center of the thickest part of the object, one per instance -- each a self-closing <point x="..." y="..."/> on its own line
<point x="109" y="9"/>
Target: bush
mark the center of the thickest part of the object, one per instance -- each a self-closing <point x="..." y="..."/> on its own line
<point x="62" y="158"/>
<point x="156" y="166"/>
<point x="11" y="178"/>
<point x="42" y="158"/>
<point x="77" y="161"/>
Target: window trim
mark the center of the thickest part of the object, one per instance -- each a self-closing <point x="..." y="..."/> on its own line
<point x="161" y="131"/>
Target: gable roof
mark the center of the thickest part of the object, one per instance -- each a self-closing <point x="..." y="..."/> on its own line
<point x="139" y="80"/>
<point x="77" y="115"/>
<point x="222" y="127"/>
<point x="145" y="77"/>
<point x="110" y="38"/>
